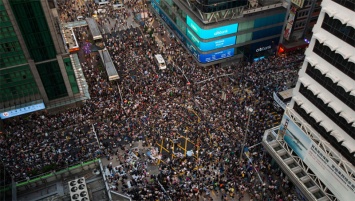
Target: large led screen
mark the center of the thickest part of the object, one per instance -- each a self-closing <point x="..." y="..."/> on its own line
<point x="206" y="58"/>
<point x="212" y="45"/>
<point x="211" y="33"/>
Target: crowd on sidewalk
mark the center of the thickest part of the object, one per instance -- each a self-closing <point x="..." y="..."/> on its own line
<point x="151" y="105"/>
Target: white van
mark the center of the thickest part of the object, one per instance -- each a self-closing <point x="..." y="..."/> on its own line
<point x="117" y="6"/>
<point x="102" y="2"/>
<point x="160" y="61"/>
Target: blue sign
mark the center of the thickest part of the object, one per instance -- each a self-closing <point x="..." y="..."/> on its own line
<point x="206" y="58"/>
<point x="212" y="45"/>
<point x="23" y="110"/>
<point x="211" y="33"/>
<point x="156" y="8"/>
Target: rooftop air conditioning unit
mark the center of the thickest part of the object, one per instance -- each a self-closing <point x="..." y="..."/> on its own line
<point x="78" y="190"/>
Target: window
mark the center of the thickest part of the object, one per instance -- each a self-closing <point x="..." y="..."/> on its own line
<point x="326" y="135"/>
<point x="335" y="59"/>
<point x="332" y="87"/>
<point x="343" y="32"/>
<point x="340" y="121"/>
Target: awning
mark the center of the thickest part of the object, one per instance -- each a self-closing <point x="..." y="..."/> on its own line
<point x="316" y="116"/>
<point x="326" y="7"/>
<point x="322" y="68"/>
<point x="297" y="100"/>
<point x="314" y="89"/>
<point x="333" y="77"/>
<point x="331" y="43"/>
<point x="345" y="50"/>
<point x="349" y="144"/>
<point x="337" y="136"/>
<point x="304" y="81"/>
<point x="307" y="108"/>
<point x="348" y="117"/>
<point x="352" y="93"/>
<point x="345" y="85"/>
<point x="335" y="106"/>
<point x="312" y="61"/>
<point x="325" y="98"/>
<point x="326" y="125"/>
<point x="320" y="37"/>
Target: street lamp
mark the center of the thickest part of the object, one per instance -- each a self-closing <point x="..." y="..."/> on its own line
<point x="250" y="111"/>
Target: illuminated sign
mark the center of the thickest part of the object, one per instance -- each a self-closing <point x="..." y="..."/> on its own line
<point x="207" y="46"/>
<point x="206" y="58"/>
<point x="156" y="8"/>
<point x="211" y="33"/>
<point x="21" y="111"/>
<point x="263" y="48"/>
<point x="341" y="184"/>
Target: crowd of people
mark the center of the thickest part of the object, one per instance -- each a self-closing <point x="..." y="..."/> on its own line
<point x="210" y="104"/>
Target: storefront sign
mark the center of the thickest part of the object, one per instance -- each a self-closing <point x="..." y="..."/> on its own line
<point x="22" y="110"/>
<point x="211" y="33"/>
<point x="263" y="48"/>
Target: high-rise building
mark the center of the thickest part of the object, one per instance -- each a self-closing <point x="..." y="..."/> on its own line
<point x="315" y="143"/>
<point x="222" y="31"/>
<point x="36" y="70"/>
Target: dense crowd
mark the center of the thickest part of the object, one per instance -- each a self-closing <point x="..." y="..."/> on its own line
<point x="151" y="105"/>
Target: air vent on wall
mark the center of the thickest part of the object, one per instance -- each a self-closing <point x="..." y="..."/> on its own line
<point x="78" y="190"/>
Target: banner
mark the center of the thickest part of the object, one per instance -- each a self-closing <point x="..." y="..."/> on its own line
<point x="22" y="110"/>
<point x="278" y="101"/>
<point x="289" y="25"/>
<point x="333" y="176"/>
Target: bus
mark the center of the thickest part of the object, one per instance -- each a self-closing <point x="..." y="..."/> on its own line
<point x="160" y="61"/>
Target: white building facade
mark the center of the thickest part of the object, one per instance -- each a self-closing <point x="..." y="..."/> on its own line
<point x="315" y="142"/>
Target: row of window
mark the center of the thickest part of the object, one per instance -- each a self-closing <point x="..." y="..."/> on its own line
<point x="343" y="32"/>
<point x="3" y="16"/>
<point x="17" y="83"/>
<point x="326" y="135"/>
<point x="19" y="91"/>
<point x="6" y="32"/>
<point x="335" y="59"/>
<point x="12" y="60"/>
<point x="332" y="87"/>
<point x="13" y="46"/>
<point x="328" y="111"/>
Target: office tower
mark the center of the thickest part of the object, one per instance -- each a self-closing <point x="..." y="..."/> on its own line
<point x="36" y="71"/>
<point x="315" y="143"/>
<point x="218" y="32"/>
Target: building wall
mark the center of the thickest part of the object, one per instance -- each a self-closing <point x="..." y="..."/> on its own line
<point x="252" y="36"/>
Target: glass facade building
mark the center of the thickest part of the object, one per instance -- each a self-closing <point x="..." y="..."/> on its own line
<point x="33" y="65"/>
<point x="251" y="35"/>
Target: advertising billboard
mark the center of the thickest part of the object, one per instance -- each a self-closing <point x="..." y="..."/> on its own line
<point x="211" y="33"/>
<point x="289" y="25"/>
<point x="333" y="176"/>
<point x="22" y="110"/>
<point x="212" y="45"/>
<point x="206" y="58"/>
<point x="298" y="3"/>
